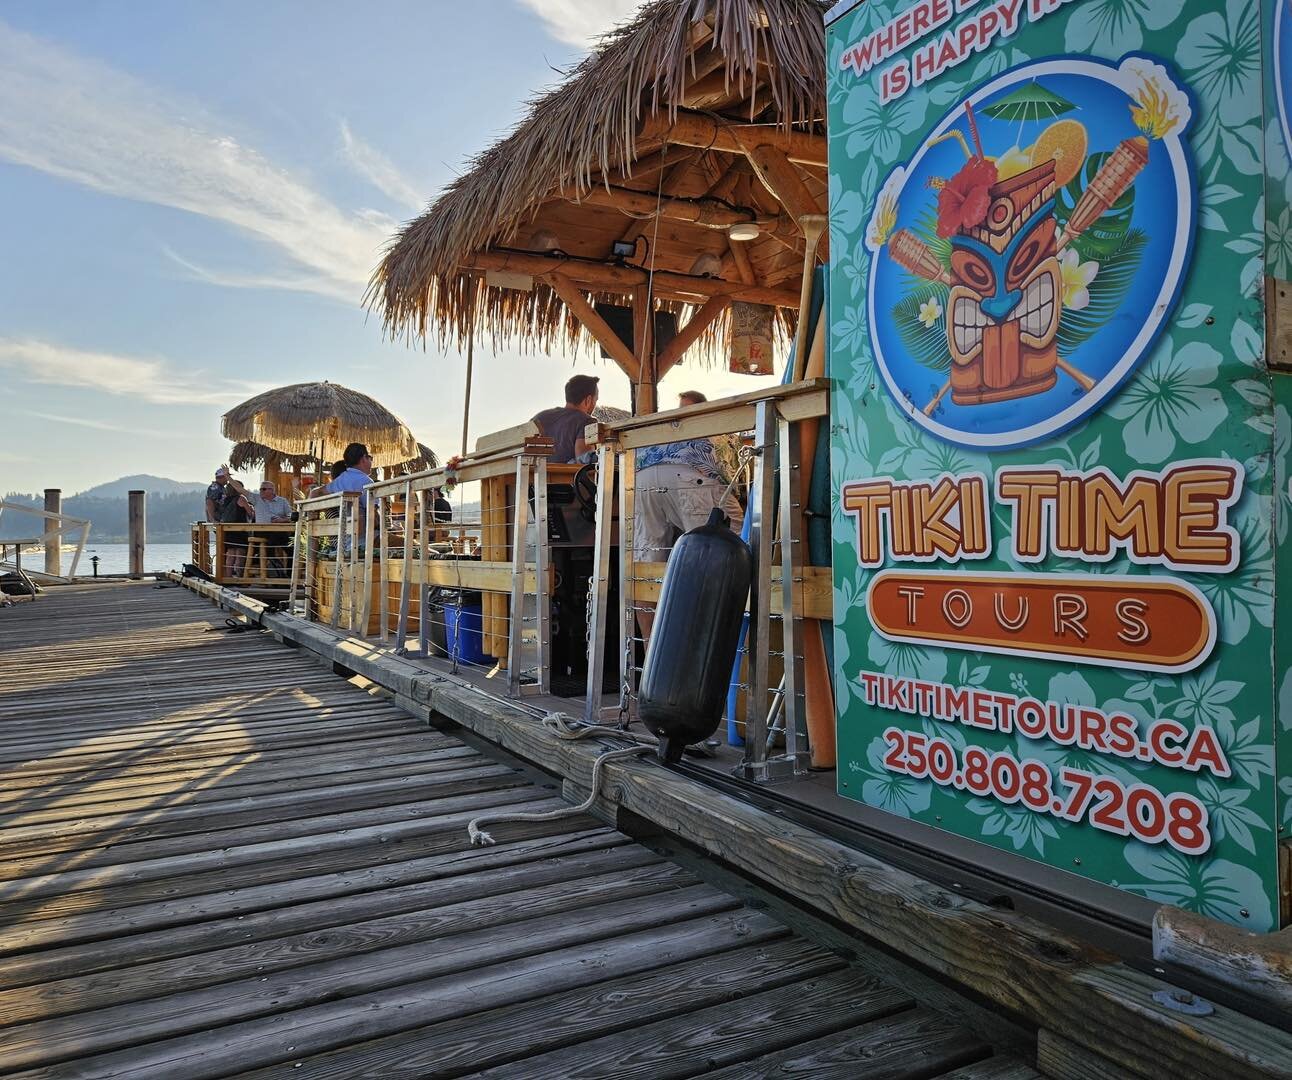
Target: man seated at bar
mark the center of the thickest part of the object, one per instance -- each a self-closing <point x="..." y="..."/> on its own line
<point x="565" y="424"/>
<point x="267" y="507"/>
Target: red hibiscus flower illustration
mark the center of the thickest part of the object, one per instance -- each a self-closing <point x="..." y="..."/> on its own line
<point x="963" y="202"/>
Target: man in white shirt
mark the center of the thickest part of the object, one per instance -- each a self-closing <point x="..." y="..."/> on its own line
<point x="265" y="507"/>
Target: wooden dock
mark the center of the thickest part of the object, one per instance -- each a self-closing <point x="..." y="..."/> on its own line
<point x="220" y="859"/>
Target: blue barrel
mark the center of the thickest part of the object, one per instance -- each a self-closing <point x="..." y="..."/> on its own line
<point x="696" y="635"/>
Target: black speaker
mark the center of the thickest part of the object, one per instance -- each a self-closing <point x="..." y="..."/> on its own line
<point x="620" y="320"/>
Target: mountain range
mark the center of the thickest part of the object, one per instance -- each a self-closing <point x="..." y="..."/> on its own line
<point x="170" y="507"/>
<point x="154" y="485"/>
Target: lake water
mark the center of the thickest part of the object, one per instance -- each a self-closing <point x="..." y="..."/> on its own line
<point x="115" y="558"/>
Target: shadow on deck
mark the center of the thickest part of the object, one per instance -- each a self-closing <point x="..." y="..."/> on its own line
<point x="217" y="859"/>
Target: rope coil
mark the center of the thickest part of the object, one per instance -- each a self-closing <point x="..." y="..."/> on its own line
<point x="563" y="726"/>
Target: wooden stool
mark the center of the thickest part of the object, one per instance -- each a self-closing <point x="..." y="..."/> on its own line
<point x="257" y="546"/>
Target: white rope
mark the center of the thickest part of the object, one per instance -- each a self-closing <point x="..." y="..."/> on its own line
<point x="566" y="727"/>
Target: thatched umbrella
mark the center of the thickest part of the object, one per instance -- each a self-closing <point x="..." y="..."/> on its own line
<point x="317" y="420"/>
<point x="248" y="455"/>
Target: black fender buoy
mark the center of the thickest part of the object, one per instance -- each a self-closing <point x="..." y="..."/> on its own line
<point x="696" y="633"/>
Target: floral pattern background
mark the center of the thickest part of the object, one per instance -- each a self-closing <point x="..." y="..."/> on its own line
<point x="1203" y="392"/>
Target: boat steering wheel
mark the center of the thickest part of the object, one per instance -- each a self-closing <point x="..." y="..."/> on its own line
<point x="585" y="491"/>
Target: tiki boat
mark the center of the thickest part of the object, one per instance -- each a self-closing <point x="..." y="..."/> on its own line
<point x="1008" y="711"/>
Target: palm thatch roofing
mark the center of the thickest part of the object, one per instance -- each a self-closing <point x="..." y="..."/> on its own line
<point x="247" y="456"/>
<point x="317" y="420"/>
<point x="661" y="113"/>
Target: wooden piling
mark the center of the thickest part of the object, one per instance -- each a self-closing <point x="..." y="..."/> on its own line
<point x="53" y="538"/>
<point x="138" y="533"/>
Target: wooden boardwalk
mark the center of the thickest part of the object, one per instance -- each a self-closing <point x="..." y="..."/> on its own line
<point x="220" y="859"/>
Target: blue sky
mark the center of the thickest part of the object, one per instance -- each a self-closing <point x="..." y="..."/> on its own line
<point x="192" y="196"/>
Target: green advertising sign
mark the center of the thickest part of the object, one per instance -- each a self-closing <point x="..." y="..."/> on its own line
<point x="1058" y="453"/>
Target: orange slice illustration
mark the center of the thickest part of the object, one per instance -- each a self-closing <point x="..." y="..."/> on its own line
<point x="1064" y="142"/>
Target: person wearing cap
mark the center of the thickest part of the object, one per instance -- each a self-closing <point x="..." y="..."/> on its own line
<point x="215" y="492"/>
<point x="565" y="425"/>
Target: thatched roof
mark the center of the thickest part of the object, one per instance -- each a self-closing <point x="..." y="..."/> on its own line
<point x="751" y="62"/>
<point x="247" y="456"/>
<point x="318" y="420"/>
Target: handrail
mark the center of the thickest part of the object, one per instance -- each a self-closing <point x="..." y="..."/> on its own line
<point x="400" y="529"/>
<point x="66" y="523"/>
<point x="722" y="416"/>
<point x="321" y="520"/>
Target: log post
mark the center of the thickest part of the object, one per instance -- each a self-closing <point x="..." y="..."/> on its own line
<point x="53" y="538"/>
<point x="644" y="348"/>
<point x="138" y="533"/>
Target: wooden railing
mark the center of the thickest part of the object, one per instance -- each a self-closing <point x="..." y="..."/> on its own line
<point x="325" y="569"/>
<point x="381" y="585"/>
<point x="244" y="556"/>
<point x="55" y="526"/>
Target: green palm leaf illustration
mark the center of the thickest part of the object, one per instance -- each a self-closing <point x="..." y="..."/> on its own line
<point x="926" y="345"/>
<point x="1107" y="294"/>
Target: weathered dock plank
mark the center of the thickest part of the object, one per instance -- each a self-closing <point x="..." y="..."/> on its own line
<point x="218" y="858"/>
<point x="1024" y="967"/>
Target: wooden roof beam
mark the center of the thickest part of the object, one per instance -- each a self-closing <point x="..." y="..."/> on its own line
<point x="740" y="258"/>
<point x="699" y="211"/>
<point x="696" y="129"/>
<point x="649" y="164"/>
<point x="779" y="176"/>
<point x="668" y="185"/>
<point x="613" y="277"/>
<point x="595" y="325"/>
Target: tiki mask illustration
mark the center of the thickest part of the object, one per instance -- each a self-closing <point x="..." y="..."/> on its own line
<point x="1006" y="294"/>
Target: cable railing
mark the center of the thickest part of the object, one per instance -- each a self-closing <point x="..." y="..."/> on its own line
<point x="772" y="657"/>
<point x="243" y="555"/>
<point x="443" y="583"/>
<point x="476" y="591"/>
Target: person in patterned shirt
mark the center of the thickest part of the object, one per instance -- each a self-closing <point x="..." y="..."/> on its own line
<point x="215" y="493"/>
<point x="677" y="484"/>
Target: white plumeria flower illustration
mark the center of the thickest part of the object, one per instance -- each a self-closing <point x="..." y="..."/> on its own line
<point x="1076" y="276"/>
<point x="930" y="311"/>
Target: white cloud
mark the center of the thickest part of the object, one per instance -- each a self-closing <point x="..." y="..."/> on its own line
<point x="86" y="122"/>
<point x="80" y="421"/>
<point x="151" y="380"/>
<point x="378" y="170"/>
<point x="311" y="283"/>
<point x="581" y="22"/>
